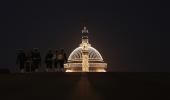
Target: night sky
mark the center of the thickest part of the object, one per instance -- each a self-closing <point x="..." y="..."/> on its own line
<point x="130" y="35"/>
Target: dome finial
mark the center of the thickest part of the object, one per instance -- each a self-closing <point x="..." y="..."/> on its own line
<point x="85" y="30"/>
<point x="84" y="35"/>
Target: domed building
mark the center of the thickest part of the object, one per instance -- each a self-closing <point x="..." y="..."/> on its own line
<point x="85" y="58"/>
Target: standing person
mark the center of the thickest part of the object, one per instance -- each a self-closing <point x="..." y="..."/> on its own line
<point x="28" y="61"/>
<point x="36" y="58"/>
<point x="49" y="60"/>
<point x="61" y="57"/>
<point x="21" y="60"/>
<point x="56" y="61"/>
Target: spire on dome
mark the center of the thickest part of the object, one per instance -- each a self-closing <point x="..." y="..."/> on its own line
<point x="85" y="30"/>
<point x="84" y="33"/>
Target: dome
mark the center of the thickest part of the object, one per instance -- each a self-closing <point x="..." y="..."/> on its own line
<point x="76" y="55"/>
<point x="85" y="58"/>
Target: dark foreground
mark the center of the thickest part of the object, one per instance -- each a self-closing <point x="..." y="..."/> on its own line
<point x="85" y="86"/>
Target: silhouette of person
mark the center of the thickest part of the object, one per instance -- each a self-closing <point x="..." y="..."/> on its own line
<point x="56" y="61"/>
<point x="49" y="60"/>
<point x="61" y="57"/>
<point x="36" y="58"/>
<point x="20" y="60"/>
<point x="28" y="61"/>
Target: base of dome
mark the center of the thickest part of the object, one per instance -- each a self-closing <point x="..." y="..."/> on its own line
<point x="77" y="67"/>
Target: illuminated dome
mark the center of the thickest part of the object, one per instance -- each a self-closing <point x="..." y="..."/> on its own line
<point x="85" y="58"/>
<point x="76" y="55"/>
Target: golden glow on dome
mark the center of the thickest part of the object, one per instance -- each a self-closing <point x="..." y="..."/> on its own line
<point x="85" y="58"/>
<point x="76" y="55"/>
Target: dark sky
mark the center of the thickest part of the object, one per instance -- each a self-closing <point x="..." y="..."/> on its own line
<point x="130" y="35"/>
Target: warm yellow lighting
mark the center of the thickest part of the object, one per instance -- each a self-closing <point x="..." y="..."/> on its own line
<point x="68" y="70"/>
<point x="85" y="58"/>
<point x="100" y="70"/>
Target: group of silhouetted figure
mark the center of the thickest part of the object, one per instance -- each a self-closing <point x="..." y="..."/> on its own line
<point x="31" y="60"/>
